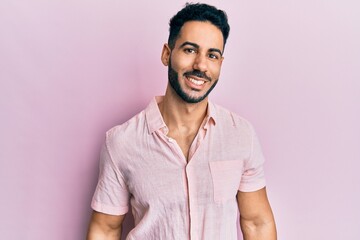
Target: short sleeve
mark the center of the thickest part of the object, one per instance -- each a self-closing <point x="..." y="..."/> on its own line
<point x="111" y="195"/>
<point x="253" y="177"/>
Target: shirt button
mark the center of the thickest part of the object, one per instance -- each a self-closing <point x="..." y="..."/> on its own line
<point x="170" y="140"/>
<point x="164" y="130"/>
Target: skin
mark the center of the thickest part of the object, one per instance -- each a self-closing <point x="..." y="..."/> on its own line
<point x="105" y="227"/>
<point x="199" y="47"/>
<point x="256" y="217"/>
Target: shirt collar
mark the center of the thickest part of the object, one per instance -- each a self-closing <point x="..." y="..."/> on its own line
<point x="155" y="121"/>
<point x="153" y="116"/>
<point x="211" y="115"/>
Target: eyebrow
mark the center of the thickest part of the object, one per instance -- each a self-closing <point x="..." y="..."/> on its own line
<point x="197" y="47"/>
<point x="215" y="50"/>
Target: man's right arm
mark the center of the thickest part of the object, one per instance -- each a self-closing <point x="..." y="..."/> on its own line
<point x="105" y="227"/>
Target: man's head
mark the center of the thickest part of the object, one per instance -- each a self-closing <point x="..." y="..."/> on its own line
<point x="194" y="51"/>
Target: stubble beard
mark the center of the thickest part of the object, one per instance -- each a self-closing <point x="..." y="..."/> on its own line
<point x="174" y="83"/>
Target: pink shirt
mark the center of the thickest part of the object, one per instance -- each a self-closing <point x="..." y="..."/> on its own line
<point x="170" y="197"/>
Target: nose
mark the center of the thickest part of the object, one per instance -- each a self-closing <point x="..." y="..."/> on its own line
<point x="200" y="63"/>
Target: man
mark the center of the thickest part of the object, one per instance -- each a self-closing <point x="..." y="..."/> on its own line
<point x="186" y="165"/>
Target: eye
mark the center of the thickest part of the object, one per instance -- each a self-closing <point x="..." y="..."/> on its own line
<point x="213" y="56"/>
<point x="189" y="50"/>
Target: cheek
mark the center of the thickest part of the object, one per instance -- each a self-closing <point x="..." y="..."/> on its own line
<point x="182" y="63"/>
<point x="216" y="68"/>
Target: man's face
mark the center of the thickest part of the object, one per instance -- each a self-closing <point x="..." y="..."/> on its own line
<point x="195" y="61"/>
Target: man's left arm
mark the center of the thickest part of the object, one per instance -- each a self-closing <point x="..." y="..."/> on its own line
<point x="256" y="217"/>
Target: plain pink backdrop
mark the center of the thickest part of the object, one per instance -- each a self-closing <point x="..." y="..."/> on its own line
<point x="70" y="70"/>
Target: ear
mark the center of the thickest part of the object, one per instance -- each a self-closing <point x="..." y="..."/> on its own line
<point x="165" y="54"/>
<point x="221" y="61"/>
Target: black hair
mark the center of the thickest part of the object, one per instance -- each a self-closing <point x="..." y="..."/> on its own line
<point x="198" y="12"/>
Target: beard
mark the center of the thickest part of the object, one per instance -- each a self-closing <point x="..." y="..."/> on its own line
<point x="174" y="83"/>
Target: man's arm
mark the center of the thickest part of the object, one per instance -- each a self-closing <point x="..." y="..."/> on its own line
<point x="256" y="218"/>
<point x="105" y="227"/>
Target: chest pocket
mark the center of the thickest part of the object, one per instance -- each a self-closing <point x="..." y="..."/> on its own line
<point x="226" y="177"/>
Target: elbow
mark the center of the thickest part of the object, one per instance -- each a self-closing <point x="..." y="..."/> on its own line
<point x="258" y="229"/>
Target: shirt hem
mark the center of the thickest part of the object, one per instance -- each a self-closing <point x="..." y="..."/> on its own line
<point x="109" y="209"/>
<point x="252" y="188"/>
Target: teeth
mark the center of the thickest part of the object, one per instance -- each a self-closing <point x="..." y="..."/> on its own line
<point x="196" y="82"/>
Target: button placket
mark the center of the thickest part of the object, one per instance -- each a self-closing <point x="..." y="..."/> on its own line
<point x="191" y="201"/>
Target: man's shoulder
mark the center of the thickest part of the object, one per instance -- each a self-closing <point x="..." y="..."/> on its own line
<point x="228" y="118"/>
<point x="137" y="128"/>
<point x="127" y="130"/>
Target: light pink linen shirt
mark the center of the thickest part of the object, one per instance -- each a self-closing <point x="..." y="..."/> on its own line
<point x="170" y="197"/>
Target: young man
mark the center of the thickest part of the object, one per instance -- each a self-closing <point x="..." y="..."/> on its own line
<point x="187" y="166"/>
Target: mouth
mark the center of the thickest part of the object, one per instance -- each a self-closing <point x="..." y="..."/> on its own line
<point x="197" y="82"/>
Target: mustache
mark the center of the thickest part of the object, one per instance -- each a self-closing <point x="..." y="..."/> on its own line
<point x="198" y="74"/>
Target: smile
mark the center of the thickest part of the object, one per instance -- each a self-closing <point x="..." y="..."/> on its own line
<point x="196" y="82"/>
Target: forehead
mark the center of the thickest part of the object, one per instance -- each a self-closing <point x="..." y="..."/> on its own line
<point x="205" y="34"/>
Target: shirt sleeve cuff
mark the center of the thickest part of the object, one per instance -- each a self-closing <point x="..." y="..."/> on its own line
<point x="252" y="187"/>
<point x="109" y="209"/>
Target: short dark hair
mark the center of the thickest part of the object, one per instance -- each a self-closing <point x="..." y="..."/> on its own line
<point x="198" y="12"/>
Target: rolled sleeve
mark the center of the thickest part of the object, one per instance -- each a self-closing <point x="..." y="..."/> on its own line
<point x="253" y="177"/>
<point x="111" y="195"/>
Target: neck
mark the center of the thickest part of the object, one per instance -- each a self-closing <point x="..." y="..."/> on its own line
<point x="179" y="114"/>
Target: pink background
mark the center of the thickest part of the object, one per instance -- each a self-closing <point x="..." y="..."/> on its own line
<point x="70" y="70"/>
